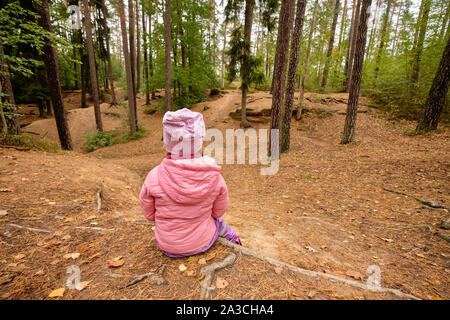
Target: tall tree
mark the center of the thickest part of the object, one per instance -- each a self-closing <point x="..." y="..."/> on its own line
<point x="128" y="69"/>
<point x="292" y="74"/>
<point x="168" y="39"/>
<point x="7" y="101"/>
<point x="352" y="46"/>
<point x="279" y="72"/>
<point x="52" y="67"/>
<point x="349" y="46"/>
<point x="145" y="48"/>
<point x="108" y="52"/>
<point x="422" y="22"/>
<point x="131" y="34"/>
<point x="305" y="67"/>
<point x="245" y="65"/>
<point x="330" y="44"/>
<point x="92" y="67"/>
<point x="436" y="97"/>
<point x="384" y="34"/>
<point x="138" y="49"/>
<point x="352" y="106"/>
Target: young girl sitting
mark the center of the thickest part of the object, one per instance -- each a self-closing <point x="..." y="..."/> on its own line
<point x="186" y="195"/>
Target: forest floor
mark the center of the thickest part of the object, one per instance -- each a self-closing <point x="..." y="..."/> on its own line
<point x="325" y="210"/>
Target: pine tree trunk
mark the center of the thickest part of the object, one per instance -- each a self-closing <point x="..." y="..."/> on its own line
<point x="343" y="20"/>
<point x="223" y="54"/>
<point x="420" y="40"/>
<point x="349" y="49"/>
<point x="6" y="88"/>
<point x="292" y="74"/>
<point x="352" y="106"/>
<point x="168" y="39"/>
<point x="150" y="54"/>
<point x="374" y="28"/>
<point x="128" y="69"/>
<point x="92" y="67"/>
<point x="245" y="67"/>
<point x="144" y="36"/>
<point x="353" y="45"/>
<point x="138" y="53"/>
<point x="330" y="45"/>
<point x="108" y="53"/>
<point x="52" y="67"/>
<point x="298" y="115"/>
<point x="383" y="35"/>
<point x="279" y="72"/>
<point x="131" y="34"/>
<point x="436" y="97"/>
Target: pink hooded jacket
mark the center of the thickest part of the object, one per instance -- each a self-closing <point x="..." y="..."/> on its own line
<point x="183" y="197"/>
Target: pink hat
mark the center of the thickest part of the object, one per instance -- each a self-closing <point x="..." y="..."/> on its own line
<point x="183" y="131"/>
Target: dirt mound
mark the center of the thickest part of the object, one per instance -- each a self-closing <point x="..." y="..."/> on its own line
<point x="81" y="121"/>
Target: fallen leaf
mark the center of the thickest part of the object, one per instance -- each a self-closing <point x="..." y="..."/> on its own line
<point x="54" y="262"/>
<point x="40" y="272"/>
<point x="67" y="237"/>
<point x="52" y="203"/>
<point x="74" y="255"/>
<point x="387" y="240"/>
<point x="221" y="283"/>
<point x="210" y="256"/>
<point x="82" y="248"/>
<point x="311" y="294"/>
<point x="190" y="273"/>
<point x="19" y="256"/>
<point x="82" y="285"/>
<point x="202" y="261"/>
<point x="57" y="293"/>
<point x="201" y="277"/>
<point x="182" y="267"/>
<point x="5" y="190"/>
<point x="354" y="275"/>
<point x="3" y="213"/>
<point x="278" y="270"/>
<point x="116" y="262"/>
<point x="95" y="255"/>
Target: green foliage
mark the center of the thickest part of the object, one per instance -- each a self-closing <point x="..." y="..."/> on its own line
<point x="24" y="141"/>
<point x="98" y="139"/>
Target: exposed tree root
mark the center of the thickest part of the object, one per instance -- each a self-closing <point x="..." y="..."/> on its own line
<point x="311" y="273"/>
<point x="156" y="278"/>
<point x="209" y="271"/>
<point x="29" y="229"/>
<point x="427" y="203"/>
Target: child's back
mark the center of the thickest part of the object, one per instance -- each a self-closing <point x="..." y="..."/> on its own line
<point x="183" y="197"/>
<point x="186" y="195"/>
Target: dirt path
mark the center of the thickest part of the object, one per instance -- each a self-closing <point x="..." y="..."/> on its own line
<point x="325" y="210"/>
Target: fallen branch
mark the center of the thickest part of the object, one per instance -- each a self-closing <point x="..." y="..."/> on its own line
<point x="443" y="236"/>
<point x="209" y="271"/>
<point x="15" y="147"/>
<point x="29" y="229"/>
<point x="157" y="278"/>
<point x="99" y="195"/>
<point x="94" y="228"/>
<point x="311" y="273"/>
<point x="427" y="203"/>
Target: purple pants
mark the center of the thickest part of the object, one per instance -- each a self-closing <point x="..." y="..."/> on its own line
<point x="222" y="230"/>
